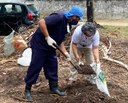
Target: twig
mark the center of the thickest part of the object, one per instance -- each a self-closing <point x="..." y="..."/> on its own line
<point x="118" y="62"/>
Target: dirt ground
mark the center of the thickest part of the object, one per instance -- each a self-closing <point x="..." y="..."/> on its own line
<point x="12" y="80"/>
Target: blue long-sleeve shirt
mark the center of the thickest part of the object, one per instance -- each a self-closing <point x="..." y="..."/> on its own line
<point x="57" y="27"/>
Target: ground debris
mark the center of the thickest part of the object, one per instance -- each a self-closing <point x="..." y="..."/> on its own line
<point x="12" y="79"/>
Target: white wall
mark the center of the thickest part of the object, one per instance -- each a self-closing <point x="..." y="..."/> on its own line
<point x="10" y="0"/>
<point x="103" y="8"/>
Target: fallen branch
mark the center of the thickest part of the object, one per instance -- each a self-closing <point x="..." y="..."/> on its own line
<point x="5" y="61"/>
<point x="106" y="53"/>
<point x="116" y="61"/>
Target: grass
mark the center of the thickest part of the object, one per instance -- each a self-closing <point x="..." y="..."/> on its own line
<point x="120" y="31"/>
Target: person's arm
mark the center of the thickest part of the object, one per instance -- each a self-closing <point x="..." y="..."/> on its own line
<point x="44" y="31"/>
<point x="96" y="53"/>
<point x="95" y="48"/>
<point x="43" y="27"/>
<point x="96" y="57"/>
<point x="76" y="37"/>
<point x="62" y="47"/>
<point x="75" y="52"/>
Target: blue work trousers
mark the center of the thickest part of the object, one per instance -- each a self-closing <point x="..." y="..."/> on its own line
<point x="42" y="59"/>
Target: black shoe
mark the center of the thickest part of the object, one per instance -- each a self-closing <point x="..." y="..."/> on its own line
<point x="27" y="95"/>
<point x="56" y="92"/>
<point x="54" y="89"/>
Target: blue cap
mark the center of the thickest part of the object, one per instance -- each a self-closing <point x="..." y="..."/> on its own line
<point x="74" y="11"/>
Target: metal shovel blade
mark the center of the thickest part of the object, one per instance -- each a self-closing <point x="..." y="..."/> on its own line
<point x="85" y="69"/>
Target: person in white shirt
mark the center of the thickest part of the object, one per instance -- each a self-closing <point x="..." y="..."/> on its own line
<point x="84" y="43"/>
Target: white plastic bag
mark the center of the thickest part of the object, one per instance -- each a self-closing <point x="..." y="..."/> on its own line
<point x="27" y="53"/>
<point x="100" y="80"/>
<point x="26" y="57"/>
<point x="102" y="84"/>
<point x="8" y="47"/>
<point x="24" y="61"/>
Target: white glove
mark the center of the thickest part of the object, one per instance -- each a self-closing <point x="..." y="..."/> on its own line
<point x="98" y="70"/>
<point x="98" y="65"/>
<point x="50" y="41"/>
<point x="95" y="65"/>
<point x="68" y="56"/>
<point x="80" y="63"/>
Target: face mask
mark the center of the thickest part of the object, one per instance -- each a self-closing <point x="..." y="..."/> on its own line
<point x="74" y="22"/>
<point x="89" y="37"/>
<point x="88" y="33"/>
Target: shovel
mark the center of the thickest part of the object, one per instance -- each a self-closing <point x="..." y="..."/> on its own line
<point x="82" y="69"/>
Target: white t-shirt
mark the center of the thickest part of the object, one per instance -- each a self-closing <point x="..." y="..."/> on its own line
<point x="83" y="41"/>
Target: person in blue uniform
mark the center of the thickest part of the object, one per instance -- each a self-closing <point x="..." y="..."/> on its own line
<point x="52" y="30"/>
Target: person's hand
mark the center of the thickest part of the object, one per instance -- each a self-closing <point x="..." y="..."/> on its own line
<point x="50" y="41"/>
<point x="67" y="56"/>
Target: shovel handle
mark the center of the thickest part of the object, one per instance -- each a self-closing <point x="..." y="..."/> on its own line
<point x="57" y="47"/>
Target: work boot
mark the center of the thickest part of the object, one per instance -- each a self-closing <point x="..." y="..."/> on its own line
<point x="54" y="91"/>
<point x="27" y="93"/>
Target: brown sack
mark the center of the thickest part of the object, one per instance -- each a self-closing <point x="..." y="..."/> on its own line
<point x="19" y="43"/>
